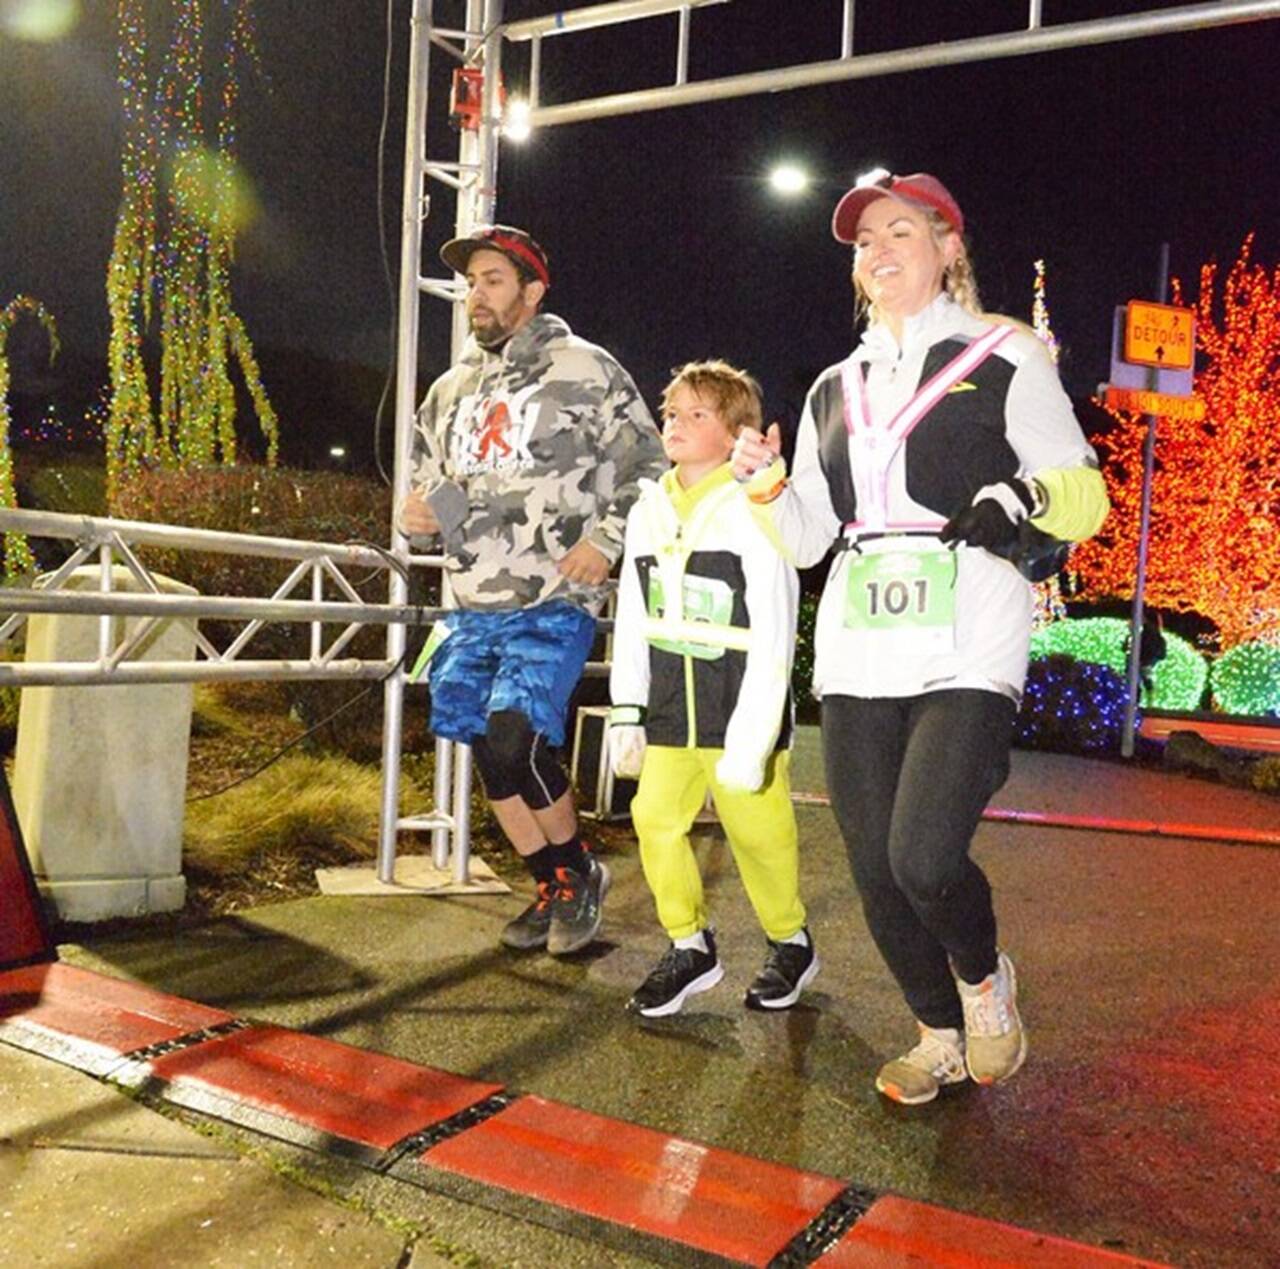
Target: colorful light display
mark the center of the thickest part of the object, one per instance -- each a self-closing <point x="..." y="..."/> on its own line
<point x="1040" y="312"/>
<point x="1246" y="680"/>
<point x="182" y="205"/>
<point x="1049" y="604"/>
<point x="1071" y="706"/>
<point x="1177" y="679"/>
<point x="1215" y="513"/>
<point x="17" y="554"/>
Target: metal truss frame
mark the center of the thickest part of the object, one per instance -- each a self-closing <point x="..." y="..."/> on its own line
<point x="1036" y="37"/>
<point x="479" y="41"/>
<point x="319" y="567"/>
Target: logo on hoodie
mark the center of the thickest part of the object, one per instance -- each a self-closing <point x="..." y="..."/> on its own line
<point x="492" y="430"/>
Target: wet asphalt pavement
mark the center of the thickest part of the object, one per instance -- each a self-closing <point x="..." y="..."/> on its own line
<point x="1147" y="1119"/>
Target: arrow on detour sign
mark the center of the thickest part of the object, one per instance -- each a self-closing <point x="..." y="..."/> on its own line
<point x="1161" y="335"/>
<point x="1155" y="403"/>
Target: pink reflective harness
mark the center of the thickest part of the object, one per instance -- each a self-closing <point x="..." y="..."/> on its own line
<point x="877" y="446"/>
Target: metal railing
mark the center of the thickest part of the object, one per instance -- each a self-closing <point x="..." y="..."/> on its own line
<point x="318" y="567"/>
<point x="102" y="542"/>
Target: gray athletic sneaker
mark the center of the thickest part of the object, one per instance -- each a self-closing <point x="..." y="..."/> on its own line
<point x="531" y="927"/>
<point x="577" y="909"/>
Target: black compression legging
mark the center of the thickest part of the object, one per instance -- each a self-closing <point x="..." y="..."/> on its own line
<point x="908" y="779"/>
<point x="514" y="760"/>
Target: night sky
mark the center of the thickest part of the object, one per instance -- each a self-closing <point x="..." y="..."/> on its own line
<point x="666" y="241"/>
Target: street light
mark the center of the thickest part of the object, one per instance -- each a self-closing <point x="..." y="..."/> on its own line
<point x="789" y="179"/>
<point x="40" y="21"/>
<point x="516" y="126"/>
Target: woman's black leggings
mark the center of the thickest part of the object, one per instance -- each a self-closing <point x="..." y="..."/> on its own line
<point x="908" y="779"/>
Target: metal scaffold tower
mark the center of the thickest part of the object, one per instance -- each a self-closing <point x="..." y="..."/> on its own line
<point x="473" y="47"/>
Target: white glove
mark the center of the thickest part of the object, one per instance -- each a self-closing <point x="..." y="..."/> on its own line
<point x="734" y="772"/>
<point x="626" y="750"/>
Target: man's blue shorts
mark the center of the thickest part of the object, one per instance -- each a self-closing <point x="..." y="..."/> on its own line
<point x="526" y="659"/>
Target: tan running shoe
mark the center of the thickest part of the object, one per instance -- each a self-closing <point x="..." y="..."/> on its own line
<point x="915" y="1077"/>
<point x="995" y="1039"/>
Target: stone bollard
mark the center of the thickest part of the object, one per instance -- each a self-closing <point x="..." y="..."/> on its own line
<point x="100" y="773"/>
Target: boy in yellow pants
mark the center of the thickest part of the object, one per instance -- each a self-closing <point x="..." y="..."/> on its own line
<point x="700" y="684"/>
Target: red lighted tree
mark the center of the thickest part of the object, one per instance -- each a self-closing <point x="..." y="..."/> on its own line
<point x="1215" y="509"/>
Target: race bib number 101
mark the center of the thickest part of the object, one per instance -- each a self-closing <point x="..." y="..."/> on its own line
<point x="905" y="599"/>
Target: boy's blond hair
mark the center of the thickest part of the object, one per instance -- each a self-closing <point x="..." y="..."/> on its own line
<point x="734" y="393"/>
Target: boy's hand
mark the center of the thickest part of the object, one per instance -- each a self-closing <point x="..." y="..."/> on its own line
<point x="626" y="750"/>
<point x="417" y="519"/>
<point x="734" y="773"/>
<point x="584" y="563"/>
<point x="752" y="451"/>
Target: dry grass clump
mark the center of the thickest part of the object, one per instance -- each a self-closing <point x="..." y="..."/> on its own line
<point x="213" y="715"/>
<point x="322" y="809"/>
<point x="1265" y="775"/>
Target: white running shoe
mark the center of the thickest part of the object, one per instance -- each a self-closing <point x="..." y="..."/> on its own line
<point x="915" y="1077"/>
<point x="995" y="1039"/>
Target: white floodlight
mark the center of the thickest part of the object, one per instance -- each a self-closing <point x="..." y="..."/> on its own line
<point x="516" y="126"/>
<point x="337" y="451"/>
<point x="789" y="179"/>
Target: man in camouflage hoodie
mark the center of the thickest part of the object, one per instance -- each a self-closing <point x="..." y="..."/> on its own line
<point x="527" y="456"/>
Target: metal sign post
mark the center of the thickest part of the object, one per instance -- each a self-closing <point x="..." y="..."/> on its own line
<point x="1144" y="530"/>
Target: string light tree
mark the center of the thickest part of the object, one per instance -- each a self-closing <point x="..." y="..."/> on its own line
<point x="182" y="205"/>
<point x="1049" y="603"/>
<point x="1074" y="698"/>
<point x="1215" y="509"/>
<point x="18" y="560"/>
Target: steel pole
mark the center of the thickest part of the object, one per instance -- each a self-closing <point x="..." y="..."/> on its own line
<point x="477" y="198"/>
<point x="413" y="213"/>
<point x="1144" y="533"/>
<point x="1040" y="39"/>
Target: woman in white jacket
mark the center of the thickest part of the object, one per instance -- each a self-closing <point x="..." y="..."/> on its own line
<point x="926" y="458"/>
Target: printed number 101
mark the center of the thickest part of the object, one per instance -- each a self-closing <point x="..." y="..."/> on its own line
<point x="896" y="596"/>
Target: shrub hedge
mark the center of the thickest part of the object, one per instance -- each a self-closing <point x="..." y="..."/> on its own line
<point x="1071" y="706"/>
<point x="1177" y="679"/>
<point x="1246" y="680"/>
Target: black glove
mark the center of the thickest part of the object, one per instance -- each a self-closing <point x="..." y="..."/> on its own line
<point x="991" y="521"/>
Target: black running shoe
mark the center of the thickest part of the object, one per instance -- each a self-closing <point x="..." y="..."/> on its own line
<point x="682" y="972"/>
<point x="788" y="969"/>
<point x="577" y="909"/>
<point x="531" y="927"/>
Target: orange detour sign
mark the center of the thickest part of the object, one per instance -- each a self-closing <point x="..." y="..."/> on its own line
<point x="1159" y="335"/>
<point x="1160" y="403"/>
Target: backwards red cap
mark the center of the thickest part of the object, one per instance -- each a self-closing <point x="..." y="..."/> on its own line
<point x="514" y="243"/>
<point x="919" y="189"/>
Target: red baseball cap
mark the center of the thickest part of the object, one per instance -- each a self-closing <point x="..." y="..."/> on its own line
<point x="515" y="244"/>
<point x="919" y="189"/>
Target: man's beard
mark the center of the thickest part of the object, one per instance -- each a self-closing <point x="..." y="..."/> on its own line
<point x="492" y="328"/>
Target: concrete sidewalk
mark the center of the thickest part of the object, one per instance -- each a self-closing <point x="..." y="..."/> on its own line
<point x="1146" y="1121"/>
<point x="91" y="1177"/>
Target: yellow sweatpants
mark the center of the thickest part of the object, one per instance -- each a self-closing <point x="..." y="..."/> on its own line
<point x="761" y="828"/>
